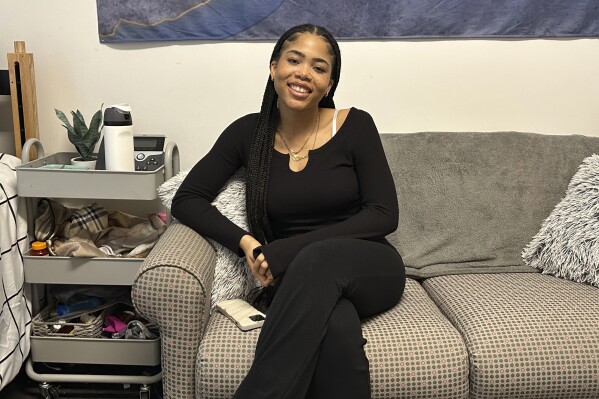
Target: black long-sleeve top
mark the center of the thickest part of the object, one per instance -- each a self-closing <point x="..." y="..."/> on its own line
<point x="346" y="190"/>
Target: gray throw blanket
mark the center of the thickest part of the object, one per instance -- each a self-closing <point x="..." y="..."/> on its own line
<point x="470" y="202"/>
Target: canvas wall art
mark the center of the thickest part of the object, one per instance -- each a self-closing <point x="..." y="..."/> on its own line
<point x="153" y="20"/>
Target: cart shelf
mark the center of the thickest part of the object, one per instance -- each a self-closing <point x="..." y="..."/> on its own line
<point x="35" y="181"/>
<point x="134" y="352"/>
<point x="69" y="270"/>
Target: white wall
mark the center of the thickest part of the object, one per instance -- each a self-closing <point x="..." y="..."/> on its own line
<point x="190" y="91"/>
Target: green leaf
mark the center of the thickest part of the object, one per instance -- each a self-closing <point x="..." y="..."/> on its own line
<point x="64" y="120"/>
<point x="80" y="115"/>
<point x="79" y="124"/>
<point x="95" y="125"/>
<point x="78" y="143"/>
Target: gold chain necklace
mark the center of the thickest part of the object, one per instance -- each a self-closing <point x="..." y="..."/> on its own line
<point x="295" y="154"/>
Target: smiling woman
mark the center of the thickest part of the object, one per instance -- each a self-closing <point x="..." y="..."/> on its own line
<point x="302" y="77"/>
<point x="320" y="201"/>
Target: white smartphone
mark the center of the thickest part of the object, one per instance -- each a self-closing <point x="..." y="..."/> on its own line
<point x="244" y="315"/>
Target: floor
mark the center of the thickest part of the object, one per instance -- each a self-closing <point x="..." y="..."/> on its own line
<point x="22" y="387"/>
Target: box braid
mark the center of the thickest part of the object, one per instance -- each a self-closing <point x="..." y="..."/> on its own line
<point x="261" y="150"/>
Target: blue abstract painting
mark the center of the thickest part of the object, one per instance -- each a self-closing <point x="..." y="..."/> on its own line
<point x="153" y="20"/>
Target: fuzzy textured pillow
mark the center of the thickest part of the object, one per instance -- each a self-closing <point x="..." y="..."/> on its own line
<point x="232" y="278"/>
<point x="567" y="245"/>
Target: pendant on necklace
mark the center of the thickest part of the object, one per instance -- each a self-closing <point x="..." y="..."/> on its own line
<point x="298" y="158"/>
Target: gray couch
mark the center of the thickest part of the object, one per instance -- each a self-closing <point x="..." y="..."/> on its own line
<point x="474" y="322"/>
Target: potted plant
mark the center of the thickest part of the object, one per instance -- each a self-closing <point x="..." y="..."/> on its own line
<point x="84" y="138"/>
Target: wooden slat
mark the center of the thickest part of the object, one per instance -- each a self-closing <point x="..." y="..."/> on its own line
<point x="20" y="67"/>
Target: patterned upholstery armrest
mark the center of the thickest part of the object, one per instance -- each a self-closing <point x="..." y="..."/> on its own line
<point x="172" y="289"/>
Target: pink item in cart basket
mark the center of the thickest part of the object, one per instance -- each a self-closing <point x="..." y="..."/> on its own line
<point x="114" y="325"/>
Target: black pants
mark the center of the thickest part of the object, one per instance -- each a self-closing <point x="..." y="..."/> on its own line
<point x="311" y="344"/>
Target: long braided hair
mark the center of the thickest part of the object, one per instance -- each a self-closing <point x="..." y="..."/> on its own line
<point x="261" y="150"/>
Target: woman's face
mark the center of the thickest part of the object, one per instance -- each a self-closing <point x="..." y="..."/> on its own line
<point x="302" y="74"/>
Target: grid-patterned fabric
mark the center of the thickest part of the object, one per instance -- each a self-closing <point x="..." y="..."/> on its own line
<point x="528" y="335"/>
<point x="15" y="309"/>
<point x="173" y="289"/>
<point x="414" y="352"/>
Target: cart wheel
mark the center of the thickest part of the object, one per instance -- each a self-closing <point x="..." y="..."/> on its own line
<point x="54" y="393"/>
<point x="144" y="392"/>
<point x="48" y="391"/>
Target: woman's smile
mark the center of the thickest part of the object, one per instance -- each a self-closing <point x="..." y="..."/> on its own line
<point x="299" y="90"/>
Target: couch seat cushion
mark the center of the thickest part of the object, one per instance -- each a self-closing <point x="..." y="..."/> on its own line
<point x="528" y="335"/>
<point x="414" y="352"/>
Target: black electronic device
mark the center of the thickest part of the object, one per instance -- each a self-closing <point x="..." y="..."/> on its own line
<point x="4" y="83"/>
<point x="148" y="151"/>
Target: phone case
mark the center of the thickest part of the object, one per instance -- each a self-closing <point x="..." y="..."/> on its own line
<point x="244" y="315"/>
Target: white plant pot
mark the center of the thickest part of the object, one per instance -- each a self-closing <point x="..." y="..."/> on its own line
<point x="80" y="162"/>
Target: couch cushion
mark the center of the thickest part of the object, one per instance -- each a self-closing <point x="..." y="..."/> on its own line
<point x="414" y="352"/>
<point x="454" y="188"/>
<point x="528" y="335"/>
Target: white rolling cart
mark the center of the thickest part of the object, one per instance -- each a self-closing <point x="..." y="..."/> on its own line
<point x="33" y="182"/>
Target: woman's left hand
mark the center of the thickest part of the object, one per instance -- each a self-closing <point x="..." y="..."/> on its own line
<point x="261" y="270"/>
<point x="259" y="266"/>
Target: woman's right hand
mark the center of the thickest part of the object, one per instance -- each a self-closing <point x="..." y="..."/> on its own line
<point x="258" y="266"/>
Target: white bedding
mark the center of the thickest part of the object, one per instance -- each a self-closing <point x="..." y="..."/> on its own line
<point x="15" y="314"/>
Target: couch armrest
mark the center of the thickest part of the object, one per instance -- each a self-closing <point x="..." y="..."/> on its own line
<point x="172" y="289"/>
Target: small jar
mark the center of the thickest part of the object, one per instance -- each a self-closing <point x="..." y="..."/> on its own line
<point x="39" y="248"/>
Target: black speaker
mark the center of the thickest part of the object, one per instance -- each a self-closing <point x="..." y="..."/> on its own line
<point x="4" y="83"/>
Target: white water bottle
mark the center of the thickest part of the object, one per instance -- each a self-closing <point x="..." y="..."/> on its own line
<point x="118" y="138"/>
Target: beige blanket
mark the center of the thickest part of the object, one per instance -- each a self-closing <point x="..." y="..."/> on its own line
<point x="92" y="231"/>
